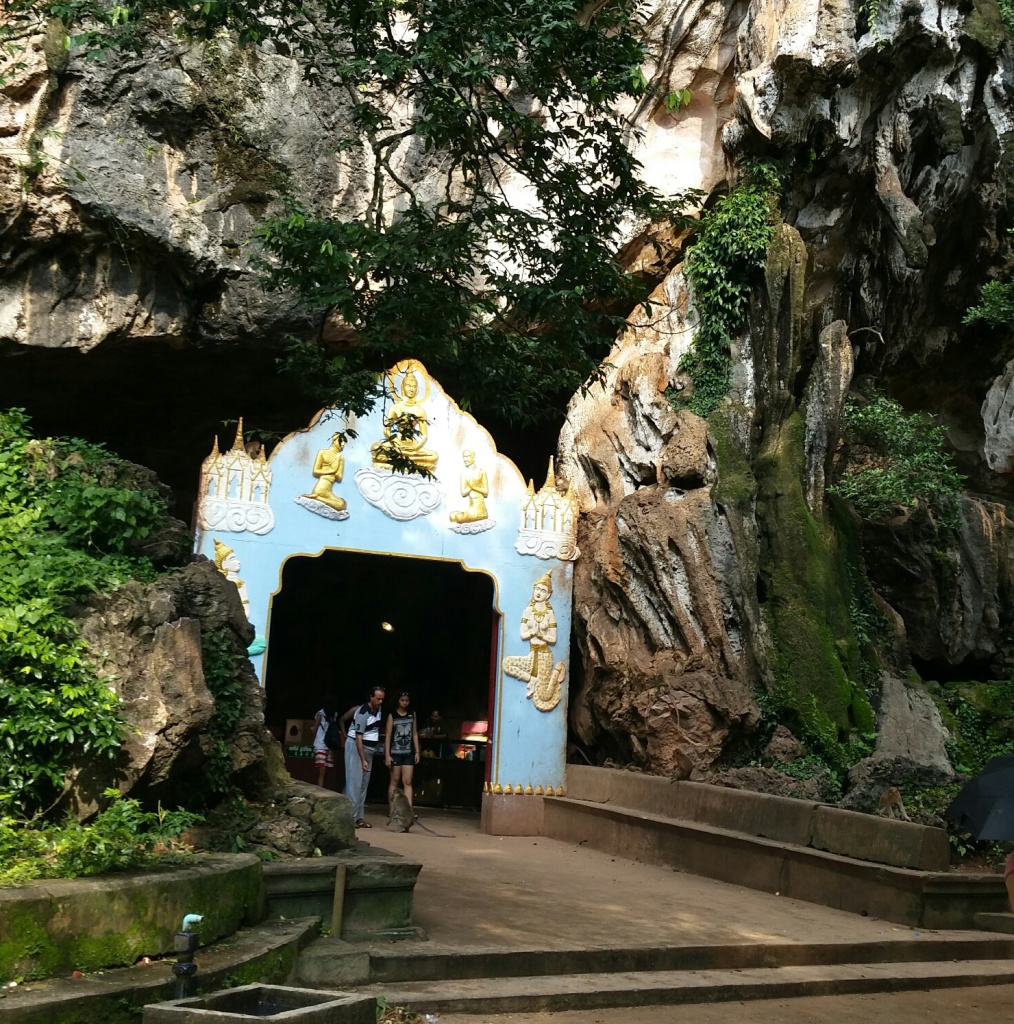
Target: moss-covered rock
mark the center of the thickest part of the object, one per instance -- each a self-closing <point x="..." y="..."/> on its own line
<point x="980" y="718"/>
<point x="985" y="26"/>
<point x="806" y="588"/>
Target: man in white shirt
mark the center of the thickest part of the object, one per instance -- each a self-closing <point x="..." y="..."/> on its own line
<point x="359" y="763"/>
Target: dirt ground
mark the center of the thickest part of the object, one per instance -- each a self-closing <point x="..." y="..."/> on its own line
<point x="991" y="1005"/>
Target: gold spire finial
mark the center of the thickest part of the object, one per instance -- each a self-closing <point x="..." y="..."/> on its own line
<point x="237" y="445"/>
<point x="551" y="475"/>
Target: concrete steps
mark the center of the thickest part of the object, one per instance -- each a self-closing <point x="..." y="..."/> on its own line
<point x="431" y="979"/>
<point x="549" y="992"/>
<point x="424" y="962"/>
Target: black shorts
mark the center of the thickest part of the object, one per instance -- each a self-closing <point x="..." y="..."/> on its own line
<point x="403" y="760"/>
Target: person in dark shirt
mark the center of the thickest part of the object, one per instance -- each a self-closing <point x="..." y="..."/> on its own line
<point x="434" y="728"/>
<point x="401" y="749"/>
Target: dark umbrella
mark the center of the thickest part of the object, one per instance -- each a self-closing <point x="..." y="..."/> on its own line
<point x="984" y="807"/>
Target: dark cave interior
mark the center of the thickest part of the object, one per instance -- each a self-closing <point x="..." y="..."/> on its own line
<point x="326" y="635"/>
<point x="161" y="407"/>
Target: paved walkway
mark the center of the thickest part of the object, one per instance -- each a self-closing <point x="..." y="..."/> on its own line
<point x="505" y="891"/>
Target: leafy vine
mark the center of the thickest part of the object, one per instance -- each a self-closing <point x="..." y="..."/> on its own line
<point x="722" y="266"/>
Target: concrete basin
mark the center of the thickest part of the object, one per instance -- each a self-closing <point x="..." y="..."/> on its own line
<point x="273" y="1002"/>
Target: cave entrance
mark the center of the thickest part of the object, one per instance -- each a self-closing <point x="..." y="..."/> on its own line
<point x="343" y="622"/>
<point x="325" y="540"/>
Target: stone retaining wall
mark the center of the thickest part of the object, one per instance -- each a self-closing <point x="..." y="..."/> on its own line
<point x="799" y="822"/>
<point x="57" y="926"/>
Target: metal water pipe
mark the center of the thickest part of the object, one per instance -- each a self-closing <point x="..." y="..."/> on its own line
<point x="185" y="943"/>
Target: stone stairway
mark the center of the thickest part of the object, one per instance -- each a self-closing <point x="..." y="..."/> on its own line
<point x="878" y="867"/>
<point x="539" y="980"/>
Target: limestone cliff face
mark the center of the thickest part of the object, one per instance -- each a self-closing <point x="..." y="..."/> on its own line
<point x="716" y="562"/>
<point x="714" y="568"/>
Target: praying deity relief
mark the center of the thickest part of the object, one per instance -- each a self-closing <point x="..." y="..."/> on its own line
<point x="538" y="627"/>
<point x="474" y="487"/>
<point x="228" y="565"/>
<point x="328" y="468"/>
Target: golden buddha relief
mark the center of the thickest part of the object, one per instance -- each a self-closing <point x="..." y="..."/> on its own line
<point x="405" y="426"/>
<point x="328" y="468"/>
<point x="539" y="629"/>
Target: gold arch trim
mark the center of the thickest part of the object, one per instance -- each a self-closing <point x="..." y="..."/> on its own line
<point x="519" y="790"/>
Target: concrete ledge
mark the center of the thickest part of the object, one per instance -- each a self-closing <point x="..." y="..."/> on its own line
<point x="60" y="925"/>
<point x="914" y="898"/>
<point x="330" y="961"/>
<point x="774" y="817"/>
<point x="584" y="992"/>
<point x="378" y="899"/>
<point x="396" y="964"/>
<point x="901" y="843"/>
<point x="995" y="923"/>
<point x="801" y="822"/>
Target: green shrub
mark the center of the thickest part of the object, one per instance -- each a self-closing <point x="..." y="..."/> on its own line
<point x="121" y="836"/>
<point x="996" y="307"/>
<point x="68" y="512"/>
<point x="896" y="459"/>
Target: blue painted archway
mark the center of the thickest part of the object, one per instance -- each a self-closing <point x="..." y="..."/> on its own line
<point x="469" y="505"/>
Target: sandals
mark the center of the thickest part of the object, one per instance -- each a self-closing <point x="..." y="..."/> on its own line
<point x="363" y="824"/>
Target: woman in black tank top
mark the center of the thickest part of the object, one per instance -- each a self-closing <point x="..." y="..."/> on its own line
<point x="401" y="750"/>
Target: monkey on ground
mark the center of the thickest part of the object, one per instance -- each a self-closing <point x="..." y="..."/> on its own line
<point x="401" y="811"/>
<point x="890" y="801"/>
<point x="404" y="817"/>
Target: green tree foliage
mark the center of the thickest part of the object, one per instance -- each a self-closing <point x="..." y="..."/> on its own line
<point x="895" y="459"/>
<point x="722" y="266"/>
<point x="499" y="268"/>
<point x="68" y="512"/>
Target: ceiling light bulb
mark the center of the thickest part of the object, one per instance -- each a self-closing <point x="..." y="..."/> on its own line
<point x="387" y="627"/>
